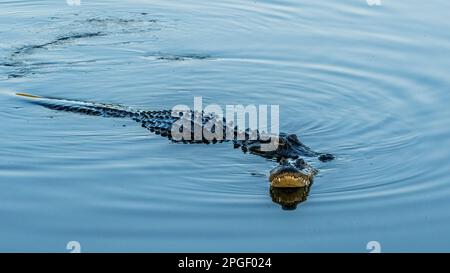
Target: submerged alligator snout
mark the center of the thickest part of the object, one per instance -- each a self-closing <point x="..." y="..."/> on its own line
<point x="292" y="174"/>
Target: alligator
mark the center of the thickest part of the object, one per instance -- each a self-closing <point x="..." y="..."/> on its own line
<point x="292" y="172"/>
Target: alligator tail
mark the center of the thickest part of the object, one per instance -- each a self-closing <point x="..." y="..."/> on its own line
<point x="81" y="107"/>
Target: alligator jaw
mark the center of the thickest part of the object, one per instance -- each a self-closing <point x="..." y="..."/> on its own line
<point x="288" y="176"/>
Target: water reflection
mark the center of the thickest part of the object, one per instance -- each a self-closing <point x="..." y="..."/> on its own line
<point x="289" y="198"/>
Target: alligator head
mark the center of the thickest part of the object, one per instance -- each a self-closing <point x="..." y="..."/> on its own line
<point x="297" y="174"/>
<point x="293" y="172"/>
<point x="284" y="146"/>
<point x="290" y="183"/>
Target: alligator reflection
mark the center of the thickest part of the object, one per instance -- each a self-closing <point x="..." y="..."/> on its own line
<point x="289" y="198"/>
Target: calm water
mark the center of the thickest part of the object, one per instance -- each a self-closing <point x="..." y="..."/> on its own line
<point x="367" y="83"/>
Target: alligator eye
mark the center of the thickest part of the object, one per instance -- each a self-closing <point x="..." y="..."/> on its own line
<point x="281" y="142"/>
<point x="293" y="138"/>
<point x="326" y="157"/>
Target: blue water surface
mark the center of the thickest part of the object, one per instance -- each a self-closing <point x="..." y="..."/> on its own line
<point x="368" y="83"/>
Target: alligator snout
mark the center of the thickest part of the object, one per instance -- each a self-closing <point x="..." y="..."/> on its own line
<point x="288" y="175"/>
